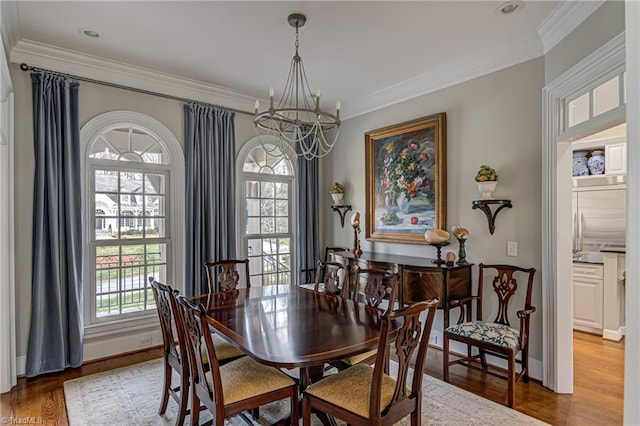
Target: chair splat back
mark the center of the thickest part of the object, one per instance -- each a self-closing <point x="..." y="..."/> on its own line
<point x="378" y="284"/>
<point x="228" y="274"/>
<point x="334" y="276"/>
<point x="504" y="285"/>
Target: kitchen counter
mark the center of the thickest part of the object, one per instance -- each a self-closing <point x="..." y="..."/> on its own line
<point x="590" y="257"/>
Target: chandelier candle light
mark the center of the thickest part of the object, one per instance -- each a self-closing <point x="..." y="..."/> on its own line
<point x="297" y="124"/>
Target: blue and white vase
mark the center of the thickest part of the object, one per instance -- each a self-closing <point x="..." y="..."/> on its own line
<point x="596" y="163"/>
<point x="580" y="167"/>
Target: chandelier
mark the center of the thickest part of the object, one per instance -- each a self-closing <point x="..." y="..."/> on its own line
<point x="297" y="124"/>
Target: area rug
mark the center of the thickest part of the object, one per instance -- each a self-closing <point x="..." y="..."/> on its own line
<point x="131" y="396"/>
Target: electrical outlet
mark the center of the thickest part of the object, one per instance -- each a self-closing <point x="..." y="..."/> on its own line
<point x="512" y="248"/>
<point x="146" y="341"/>
<point x="433" y="340"/>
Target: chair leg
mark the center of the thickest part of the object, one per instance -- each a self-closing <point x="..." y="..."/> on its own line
<point x="416" y="415"/>
<point x="195" y="407"/>
<point x="295" y="414"/>
<point x="445" y="358"/>
<point x="306" y="411"/>
<point x="483" y="359"/>
<point x="184" y="396"/>
<point x="525" y="363"/>
<point x="166" y="387"/>
<point x="255" y="413"/>
<point x="511" y="378"/>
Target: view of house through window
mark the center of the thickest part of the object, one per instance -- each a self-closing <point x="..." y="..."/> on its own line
<point x="267" y="182"/>
<point x="129" y="175"/>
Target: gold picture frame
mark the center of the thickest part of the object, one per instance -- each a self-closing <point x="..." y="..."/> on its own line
<point x="406" y="180"/>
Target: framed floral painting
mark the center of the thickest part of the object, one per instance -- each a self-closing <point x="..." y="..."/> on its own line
<point x="406" y="180"/>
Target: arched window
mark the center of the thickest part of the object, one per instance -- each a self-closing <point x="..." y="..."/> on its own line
<point x="267" y="198"/>
<point x="132" y="169"/>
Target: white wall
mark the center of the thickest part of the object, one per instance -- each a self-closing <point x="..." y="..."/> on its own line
<point x="494" y="119"/>
<point x="93" y="100"/>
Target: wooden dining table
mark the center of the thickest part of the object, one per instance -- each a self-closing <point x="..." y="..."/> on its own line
<point x="287" y="326"/>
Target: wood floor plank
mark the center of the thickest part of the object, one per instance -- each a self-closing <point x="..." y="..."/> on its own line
<point x="597" y="397"/>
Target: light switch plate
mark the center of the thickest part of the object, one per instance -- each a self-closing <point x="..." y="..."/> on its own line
<point x="512" y="248"/>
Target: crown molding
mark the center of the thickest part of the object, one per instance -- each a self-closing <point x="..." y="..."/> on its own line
<point x="481" y="63"/>
<point x="82" y="65"/>
<point x="563" y="19"/>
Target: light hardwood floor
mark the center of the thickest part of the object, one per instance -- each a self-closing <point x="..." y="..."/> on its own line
<point x="597" y="400"/>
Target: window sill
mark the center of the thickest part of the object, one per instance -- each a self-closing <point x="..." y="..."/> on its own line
<point x="123" y="326"/>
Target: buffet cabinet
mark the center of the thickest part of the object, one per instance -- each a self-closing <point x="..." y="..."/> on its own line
<point x="420" y="278"/>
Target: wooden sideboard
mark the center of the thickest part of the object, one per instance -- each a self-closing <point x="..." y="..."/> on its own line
<point x="420" y="278"/>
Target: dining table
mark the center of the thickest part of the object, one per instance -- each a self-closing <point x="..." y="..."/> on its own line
<point x="288" y="326"/>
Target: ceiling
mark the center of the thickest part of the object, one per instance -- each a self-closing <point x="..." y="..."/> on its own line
<point x="352" y="51"/>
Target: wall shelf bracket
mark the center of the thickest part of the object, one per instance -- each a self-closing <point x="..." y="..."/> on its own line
<point x="485" y="206"/>
<point x="342" y="211"/>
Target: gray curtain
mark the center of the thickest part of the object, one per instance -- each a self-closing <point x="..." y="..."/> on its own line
<point x="210" y="191"/>
<point x="55" y="335"/>
<point x="308" y="210"/>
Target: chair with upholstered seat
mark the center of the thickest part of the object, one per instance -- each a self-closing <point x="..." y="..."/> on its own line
<point x="229" y="389"/>
<point x="365" y="395"/>
<point x="497" y="338"/>
<point x="174" y="356"/>
<point x="227" y="274"/>
<point x="332" y="278"/>
<point x="378" y="289"/>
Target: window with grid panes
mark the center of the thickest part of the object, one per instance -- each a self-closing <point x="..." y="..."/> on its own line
<point x="267" y="229"/>
<point x="128" y="173"/>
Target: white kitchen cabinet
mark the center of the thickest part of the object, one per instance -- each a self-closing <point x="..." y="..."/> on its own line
<point x="588" y="297"/>
<point x="615" y="158"/>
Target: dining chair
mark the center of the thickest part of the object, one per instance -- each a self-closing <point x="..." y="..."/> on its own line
<point x="173" y="359"/>
<point x="497" y="338"/>
<point x="174" y="354"/>
<point x="378" y="289"/>
<point x="332" y="278"/>
<point x="226" y="274"/>
<point x="365" y="395"/>
<point x="229" y="389"/>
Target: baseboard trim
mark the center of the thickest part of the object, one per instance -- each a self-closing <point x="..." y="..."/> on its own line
<point x="615" y="335"/>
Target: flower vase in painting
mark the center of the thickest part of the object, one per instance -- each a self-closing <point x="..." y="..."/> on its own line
<point x="406" y="183"/>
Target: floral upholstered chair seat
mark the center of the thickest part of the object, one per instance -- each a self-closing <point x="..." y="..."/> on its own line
<point x="491" y="332"/>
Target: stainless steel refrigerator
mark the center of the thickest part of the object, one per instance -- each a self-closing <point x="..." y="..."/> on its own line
<point x="599" y="220"/>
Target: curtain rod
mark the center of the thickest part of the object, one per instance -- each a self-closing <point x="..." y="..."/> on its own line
<point x="25" y="67"/>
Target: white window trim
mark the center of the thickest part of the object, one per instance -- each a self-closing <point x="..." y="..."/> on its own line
<point x="241" y="223"/>
<point x="176" y="218"/>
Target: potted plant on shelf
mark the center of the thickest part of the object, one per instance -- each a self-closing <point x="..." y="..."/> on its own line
<point x="487" y="180"/>
<point x="337" y="193"/>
